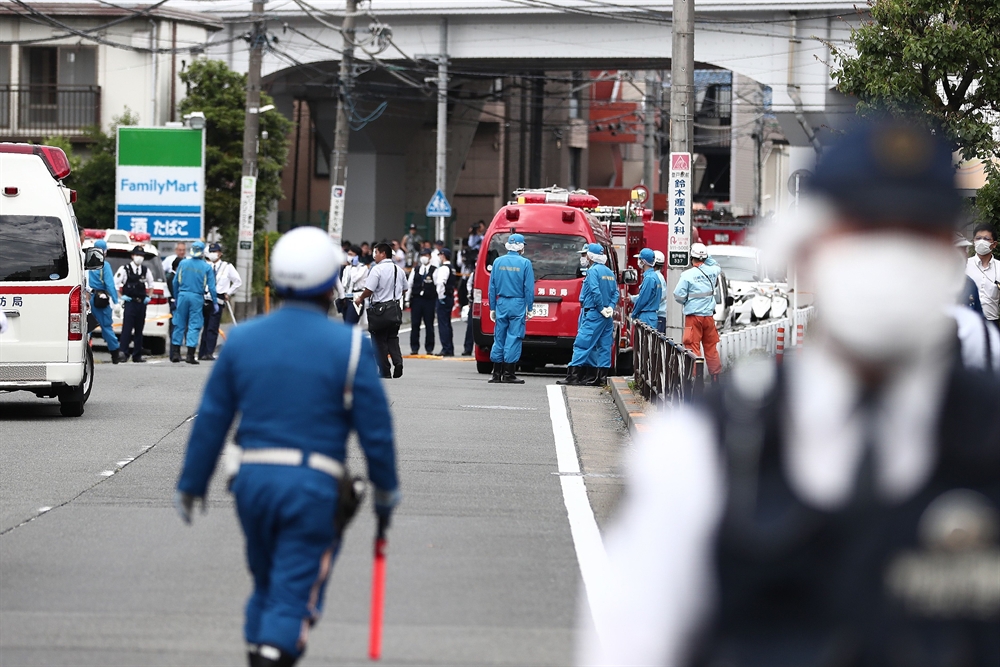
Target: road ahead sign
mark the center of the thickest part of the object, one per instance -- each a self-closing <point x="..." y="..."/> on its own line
<point x="438" y="206"/>
<point x="679" y="211"/>
<point x="160" y="182"/>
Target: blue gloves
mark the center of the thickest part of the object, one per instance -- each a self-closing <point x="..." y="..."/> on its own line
<point x="441" y="302"/>
<point x="215" y="307"/>
<point x="184" y="504"/>
<point x="126" y="297"/>
<point x="385" y="503"/>
<point x="147" y="299"/>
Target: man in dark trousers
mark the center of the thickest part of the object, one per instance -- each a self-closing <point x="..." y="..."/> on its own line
<point x="134" y="282"/>
<point x="423" y="300"/>
<point x="444" y="281"/>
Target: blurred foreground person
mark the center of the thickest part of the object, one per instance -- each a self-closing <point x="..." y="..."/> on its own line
<point x="841" y="509"/>
<point x="301" y="383"/>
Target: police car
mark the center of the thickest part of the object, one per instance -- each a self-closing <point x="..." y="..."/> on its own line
<point x="156" y="333"/>
<point x="44" y="349"/>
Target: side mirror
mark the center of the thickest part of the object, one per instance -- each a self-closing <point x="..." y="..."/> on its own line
<point x="630" y="276"/>
<point x="93" y="258"/>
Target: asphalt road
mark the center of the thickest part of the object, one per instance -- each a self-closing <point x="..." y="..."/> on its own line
<point x="482" y="567"/>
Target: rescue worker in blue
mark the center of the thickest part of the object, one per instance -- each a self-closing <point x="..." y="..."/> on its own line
<point x="194" y="275"/>
<point x="594" y="337"/>
<point x="102" y="291"/>
<point x="646" y="303"/>
<point x="300" y="383"/>
<point x="512" y="296"/>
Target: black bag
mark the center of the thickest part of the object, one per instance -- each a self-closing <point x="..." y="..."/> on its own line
<point x="386" y="314"/>
<point x="101" y="299"/>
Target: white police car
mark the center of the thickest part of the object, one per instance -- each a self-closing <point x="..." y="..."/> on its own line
<point x="44" y="348"/>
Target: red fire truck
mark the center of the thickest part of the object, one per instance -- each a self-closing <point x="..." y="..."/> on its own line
<point x="556" y="224"/>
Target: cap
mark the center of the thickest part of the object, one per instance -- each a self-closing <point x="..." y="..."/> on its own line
<point x="439" y="242"/>
<point x="595" y="248"/>
<point x="446" y="252"/>
<point x="515" y="238"/>
<point x="215" y="247"/>
<point x="646" y="255"/>
<point x="890" y="172"/>
<point x="139" y="251"/>
<point x="425" y="251"/>
<point x="961" y="241"/>
<point x="699" y="251"/>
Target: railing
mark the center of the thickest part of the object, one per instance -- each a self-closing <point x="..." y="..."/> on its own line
<point x="49" y="108"/>
<point x="771" y="337"/>
<point x="665" y="372"/>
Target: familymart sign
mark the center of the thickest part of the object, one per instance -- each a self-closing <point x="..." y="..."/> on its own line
<point x="160" y="182"/>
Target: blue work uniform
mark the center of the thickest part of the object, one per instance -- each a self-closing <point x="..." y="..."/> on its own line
<point x="647" y="302"/>
<point x="696" y="289"/>
<point x="594" y="338"/>
<point x="194" y="275"/>
<point x="102" y="279"/>
<point x="661" y="312"/>
<point x="512" y="295"/>
<point x="285" y="374"/>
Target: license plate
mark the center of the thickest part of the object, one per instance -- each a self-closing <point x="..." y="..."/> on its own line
<point x="540" y="310"/>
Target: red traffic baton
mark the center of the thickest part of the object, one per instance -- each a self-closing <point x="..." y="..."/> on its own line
<point x="378" y="600"/>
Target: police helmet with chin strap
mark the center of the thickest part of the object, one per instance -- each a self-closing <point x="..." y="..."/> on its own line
<point x="305" y="263"/>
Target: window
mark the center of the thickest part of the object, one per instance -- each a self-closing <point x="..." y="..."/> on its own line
<point x="553" y="256"/>
<point x="32" y="248"/>
<point x="738" y="268"/>
<point x="321" y="168"/>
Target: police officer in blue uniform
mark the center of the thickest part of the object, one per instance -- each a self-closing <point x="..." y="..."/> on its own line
<point x="646" y="303"/>
<point x="594" y="337"/>
<point x="194" y="275"/>
<point x="102" y="295"/>
<point x="512" y="296"/>
<point x="300" y="383"/>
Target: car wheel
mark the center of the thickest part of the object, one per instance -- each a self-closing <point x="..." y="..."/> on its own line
<point x="484" y="367"/>
<point x="72" y="399"/>
<point x="71" y="408"/>
<point x="88" y="375"/>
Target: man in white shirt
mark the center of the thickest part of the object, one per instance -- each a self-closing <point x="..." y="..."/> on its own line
<point x="386" y="285"/>
<point x="444" y="282"/>
<point x="806" y="514"/>
<point x="398" y="256"/>
<point x="984" y="270"/>
<point x="350" y="284"/>
<point x="227" y="281"/>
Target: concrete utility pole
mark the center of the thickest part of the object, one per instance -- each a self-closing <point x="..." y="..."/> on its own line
<point x="681" y="132"/>
<point x="248" y="189"/>
<point x="649" y="161"/>
<point x="441" y="170"/>
<point x="342" y="133"/>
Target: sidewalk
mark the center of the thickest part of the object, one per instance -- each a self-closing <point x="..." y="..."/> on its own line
<point x="631" y="406"/>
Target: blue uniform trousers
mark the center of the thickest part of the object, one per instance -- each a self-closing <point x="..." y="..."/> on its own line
<point x="661" y="324"/>
<point x="210" y="334"/>
<point x="444" y="326"/>
<point x="592" y="346"/>
<point x="103" y="317"/>
<point x="287" y="516"/>
<point x="509" y="331"/>
<point x="188" y="318"/>
<point x="422" y="312"/>
<point x="133" y="323"/>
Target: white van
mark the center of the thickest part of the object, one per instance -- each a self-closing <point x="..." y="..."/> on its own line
<point x="42" y="280"/>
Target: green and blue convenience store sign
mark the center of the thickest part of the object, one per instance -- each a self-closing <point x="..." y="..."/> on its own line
<point x="160" y="182"/>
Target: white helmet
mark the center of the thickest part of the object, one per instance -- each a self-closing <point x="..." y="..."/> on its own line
<point x="660" y="257"/>
<point x="305" y="262"/>
<point x="699" y="251"/>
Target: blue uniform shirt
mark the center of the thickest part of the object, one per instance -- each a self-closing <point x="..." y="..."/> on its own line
<point x="696" y="289"/>
<point x="512" y="277"/>
<point x="103" y="279"/>
<point x="647" y="302"/>
<point x="194" y="275"/>
<point x="285" y="373"/>
<point x="662" y="310"/>
<point x="600" y="289"/>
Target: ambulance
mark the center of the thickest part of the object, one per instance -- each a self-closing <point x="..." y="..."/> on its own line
<point x="556" y="225"/>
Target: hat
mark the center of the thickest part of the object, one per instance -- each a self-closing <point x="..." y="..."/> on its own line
<point x="425" y="251"/>
<point x="595" y="248"/>
<point x="660" y="257"/>
<point x="890" y="172"/>
<point x="699" y="251"/>
<point x="516" y="238"/>
<point x="647" y="256"/>
<point x="961" y="241"/>
<point x="446" y="252"/>
<point x="215" y="247"/>
<point x="439" y="242"/>
<point x="197" y="249"/>
<point x="139" y="251"/>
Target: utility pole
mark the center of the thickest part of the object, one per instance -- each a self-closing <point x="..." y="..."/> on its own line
<point x="248" y="186"/>
<point x="649" y="161"/>
<point x="441" y="168"/>
<point x="681" y="141"/>
<point x="341" y="137"/>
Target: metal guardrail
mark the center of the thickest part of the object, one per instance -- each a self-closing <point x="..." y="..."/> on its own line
<point x="49" y="108"/>
<point x="772" y="337"/>
<point x="665" y="372"/>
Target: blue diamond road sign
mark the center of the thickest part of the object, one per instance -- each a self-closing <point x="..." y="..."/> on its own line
<point x="438" y="206"/>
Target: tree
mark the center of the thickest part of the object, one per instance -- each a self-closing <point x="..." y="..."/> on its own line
<point x="937" y="61"/>
<point x="220" y="94"/>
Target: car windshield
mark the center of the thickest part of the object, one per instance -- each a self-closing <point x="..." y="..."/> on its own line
<point x="117" y="258"/>
<point x="32" y="248"/>
<point x="553" y="256"/>
<point x="738" y="268"/>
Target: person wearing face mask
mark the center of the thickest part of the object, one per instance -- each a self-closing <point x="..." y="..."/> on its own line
<point x="842" y="507"/>
<point x="352" y="283"/>
<point x="646" y="303"/>
<point x="227" y="281"/>
<point x="444" y="284"/>
<point x="134" y="282"/>
<point x="512" y="297"/>
<point x="423" y="301"/>
<point x="594" y="338"/>
<point x="984" y="270"/>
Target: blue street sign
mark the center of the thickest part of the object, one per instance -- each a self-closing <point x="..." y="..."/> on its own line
<point x="438" y="206"/>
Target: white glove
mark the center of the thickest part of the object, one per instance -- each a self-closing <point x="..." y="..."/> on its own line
<point x="529" y="314"/>
<point x="608" y="312"/>
<point x="493" y="316"/>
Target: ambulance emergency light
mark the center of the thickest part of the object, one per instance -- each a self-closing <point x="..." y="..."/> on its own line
<point x="578" y="199"/>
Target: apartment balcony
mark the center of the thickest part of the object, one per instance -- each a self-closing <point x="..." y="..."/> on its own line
<point x="43" y="110"/>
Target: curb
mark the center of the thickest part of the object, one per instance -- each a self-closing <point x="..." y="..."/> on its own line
<point x="629" y="406"/>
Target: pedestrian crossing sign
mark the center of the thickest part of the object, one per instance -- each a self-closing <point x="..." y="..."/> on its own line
<point x="438" y="206"/>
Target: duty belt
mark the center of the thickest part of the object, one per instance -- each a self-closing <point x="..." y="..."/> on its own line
<point x="286" y="456"/>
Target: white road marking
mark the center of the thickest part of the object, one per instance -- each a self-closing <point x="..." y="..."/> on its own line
<point x="43" y="510"/>
<point x="496" y="407"/>
<point x="107" y="473"/>
<point x="587" y="541"/>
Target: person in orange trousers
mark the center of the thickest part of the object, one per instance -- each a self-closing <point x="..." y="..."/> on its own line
<point x="695" y="291"/>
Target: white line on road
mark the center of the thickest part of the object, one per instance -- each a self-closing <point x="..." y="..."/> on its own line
<point x="496" y="407"/>
<point x="582" y="524"/>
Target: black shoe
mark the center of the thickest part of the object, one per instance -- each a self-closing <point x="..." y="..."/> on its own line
<point x="190" y="358"/>
<point x="572" y="376"/>
<point x="467" y="353"/>
<point x="447" y="354"/>
<point x="270" y="656"/>
<point x="175" y="354"/>
<point x="397" y="372"/>
<point x="497" y="372"/>
<point x="138" y="360"/>
<point x="117" y="356"/>
<point x="414" y="353"/>
<point x="600" y="378"/>
<point x="508" y="375"/>
<point x="206" y="357"/>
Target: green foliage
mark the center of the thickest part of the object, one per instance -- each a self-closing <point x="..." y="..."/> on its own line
<point x="220" y="94"/>
<point x="937" y="61"/>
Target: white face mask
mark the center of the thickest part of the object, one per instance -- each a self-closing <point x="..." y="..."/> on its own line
<point x="137" y="259"/>
<point x="425" y="260"/>
<point x="982" y="247"/>
<point x="880" y="313"/>
<point x="584" y="261"/>
<point x="212" y="257"/>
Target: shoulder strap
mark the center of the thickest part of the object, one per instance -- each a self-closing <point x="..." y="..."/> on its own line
<point x="352" y="367"/>
<point x="395" y="281"/>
